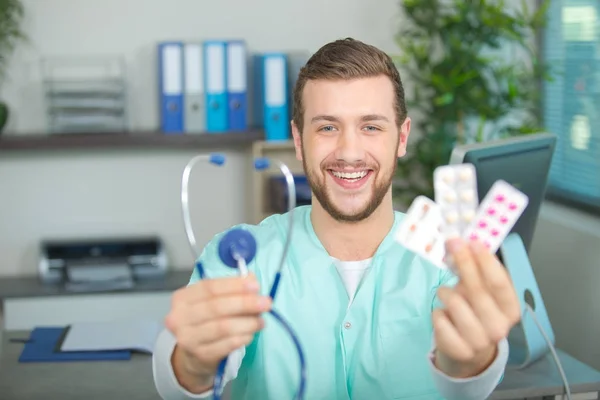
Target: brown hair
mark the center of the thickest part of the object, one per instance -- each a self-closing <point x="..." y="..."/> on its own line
<point x="346" y="59"/>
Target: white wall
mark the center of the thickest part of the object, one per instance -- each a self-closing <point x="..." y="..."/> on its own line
<point x="565" y="257"/>
<point x="77" y="194"/>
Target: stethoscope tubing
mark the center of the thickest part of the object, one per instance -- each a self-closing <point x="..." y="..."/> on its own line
<point x="259" y="164"/>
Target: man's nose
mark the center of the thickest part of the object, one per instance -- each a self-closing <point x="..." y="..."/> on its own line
<point x="349" y="148"/>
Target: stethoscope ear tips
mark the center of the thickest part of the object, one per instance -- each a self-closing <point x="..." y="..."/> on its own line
<point x="261" y="163"/>
<point x="217" y="158"/>
<point x="237" y="243"/>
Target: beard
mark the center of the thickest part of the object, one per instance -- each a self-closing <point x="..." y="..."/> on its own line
<point x="381" y="185"/>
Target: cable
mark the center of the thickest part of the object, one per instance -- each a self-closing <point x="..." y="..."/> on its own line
<point x="561" y="371"/>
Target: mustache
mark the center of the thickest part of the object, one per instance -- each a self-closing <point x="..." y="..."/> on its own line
<point x="343" y="165"/>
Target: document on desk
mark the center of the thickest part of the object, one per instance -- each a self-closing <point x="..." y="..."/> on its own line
<point x="136" y="335"/>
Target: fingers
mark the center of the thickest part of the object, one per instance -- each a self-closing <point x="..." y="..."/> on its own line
<point x="216" y="351"/>
<point x="465" y="264"/>
<point x="214" y="299"/>
<point x="213" y="317"/>
<point x="218" y="329"/>
<point x="210" y="288"/>
<point x="486" y="287"/>
<point x="236" y="305"/>
<point x="447" y="337"/>
<point x="498" y="281"/>
<point x="221" y="307"/>
<point x="464" y="320"/>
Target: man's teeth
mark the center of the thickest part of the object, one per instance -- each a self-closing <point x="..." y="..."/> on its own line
<point x="350" y="175"/>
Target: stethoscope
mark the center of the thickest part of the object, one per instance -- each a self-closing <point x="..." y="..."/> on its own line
<point x="237" y="249"/>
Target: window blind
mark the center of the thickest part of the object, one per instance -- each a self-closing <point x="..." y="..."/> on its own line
<point x="571" y="105"/>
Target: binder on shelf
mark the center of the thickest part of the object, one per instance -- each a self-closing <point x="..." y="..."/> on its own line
<point x="215" y="84"/>
<point x="271" y="108"/>
<point x="237" y="85"/>
<point x="194" y="108"/>
<point x="171" y="86"/>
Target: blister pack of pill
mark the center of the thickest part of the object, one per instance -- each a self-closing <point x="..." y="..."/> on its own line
<point x="456" y="212"/>
<point x="421" y="230"/>
<point x="455" y="190"/>
<point x="497" y="214"/>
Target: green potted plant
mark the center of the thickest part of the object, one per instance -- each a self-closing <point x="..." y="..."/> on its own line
<point x="455" y="54"/>
<point x="11" y="16"/>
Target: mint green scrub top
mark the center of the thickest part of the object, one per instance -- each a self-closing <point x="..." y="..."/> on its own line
<point x="375" y="347"/>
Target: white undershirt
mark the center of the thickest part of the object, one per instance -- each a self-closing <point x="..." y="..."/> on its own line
<point x="352" y="273"/>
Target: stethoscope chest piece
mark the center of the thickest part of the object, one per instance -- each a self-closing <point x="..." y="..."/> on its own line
<point x="237" y="243"/>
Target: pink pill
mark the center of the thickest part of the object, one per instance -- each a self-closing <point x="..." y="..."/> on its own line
<point x="487" y="244"/>
<point x="503" y="220"/>
<point x="500" y="198"/>
<point x="473" y="237"/>
<point x="491" y="211"/>
<point x="512" y="206"/>
<point x="482" y="224"/>
<point x="495" y="232"/>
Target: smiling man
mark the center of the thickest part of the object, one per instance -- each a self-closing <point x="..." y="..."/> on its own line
<point x="375" y="320"/>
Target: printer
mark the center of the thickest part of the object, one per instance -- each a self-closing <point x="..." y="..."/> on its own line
<point x="101" y="264"/>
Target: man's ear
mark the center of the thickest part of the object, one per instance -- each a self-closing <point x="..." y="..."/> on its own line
<point x="297" y="140"/>
<point x="403" y="133"/>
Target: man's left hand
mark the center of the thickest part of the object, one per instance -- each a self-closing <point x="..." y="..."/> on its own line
<point x="477" y="314"/>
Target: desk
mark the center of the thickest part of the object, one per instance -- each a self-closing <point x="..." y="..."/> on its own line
<point x="97" y="380"/>
<point x="542" y="379"/>
<point x="132" y="380"/>
<point x="28" y="303"/>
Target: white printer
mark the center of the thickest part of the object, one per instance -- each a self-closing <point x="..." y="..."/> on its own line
<point x="101" y="264"/>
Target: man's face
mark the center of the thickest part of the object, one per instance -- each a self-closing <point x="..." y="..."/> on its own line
<point x="350" y="144"/>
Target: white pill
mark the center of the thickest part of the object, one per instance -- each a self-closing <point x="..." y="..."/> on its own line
<point x="467" y="195"/>
<point x="452" y="217"/>
<point x="465" y="174"/>
<point x="448" y="178"/>
<point x="450" y="197"/>
<point x="468" y="215"/>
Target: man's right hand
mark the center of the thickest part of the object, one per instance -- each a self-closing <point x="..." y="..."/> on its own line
<point x="210" y="319"/>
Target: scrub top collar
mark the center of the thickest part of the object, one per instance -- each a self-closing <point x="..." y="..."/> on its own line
<point x="384" y="246"/>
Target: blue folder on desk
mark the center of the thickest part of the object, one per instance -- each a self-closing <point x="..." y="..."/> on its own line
<point x="43" y="345"/>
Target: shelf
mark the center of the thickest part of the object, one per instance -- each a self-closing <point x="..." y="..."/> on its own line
<point x="145" y="140"/>
<point x="32" y="286"/>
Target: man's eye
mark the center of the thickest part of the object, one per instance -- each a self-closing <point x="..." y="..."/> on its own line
<point x="371" y="128"/>
<point x="327" y="128"/>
